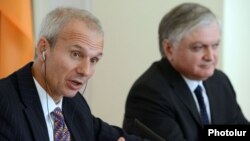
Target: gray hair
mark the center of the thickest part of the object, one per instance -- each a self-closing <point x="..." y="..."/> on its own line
<point x="61" y="16"/>
<point x="182" y="19"/>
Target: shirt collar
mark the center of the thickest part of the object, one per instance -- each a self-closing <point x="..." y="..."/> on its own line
<point x="47" y="102"/>
<point x="192" y="84"/>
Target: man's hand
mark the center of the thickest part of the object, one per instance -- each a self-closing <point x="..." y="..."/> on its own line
<point x="121" y="139"/>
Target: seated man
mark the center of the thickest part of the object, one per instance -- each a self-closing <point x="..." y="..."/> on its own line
<point x="184" y="91"/>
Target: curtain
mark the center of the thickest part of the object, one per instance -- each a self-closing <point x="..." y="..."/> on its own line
<point x="16" y="35"/>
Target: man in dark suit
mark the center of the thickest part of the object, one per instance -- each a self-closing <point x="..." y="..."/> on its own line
<point x="69" y="47"/>
<point x="164" y="97"/>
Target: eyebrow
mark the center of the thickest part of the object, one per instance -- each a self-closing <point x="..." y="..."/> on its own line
<point x="76" y="46"/>
<point x="200" y="42"/>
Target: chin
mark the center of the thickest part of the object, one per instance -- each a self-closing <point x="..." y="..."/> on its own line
<point x="70" y="93"/>
<point x="206" y="76"/>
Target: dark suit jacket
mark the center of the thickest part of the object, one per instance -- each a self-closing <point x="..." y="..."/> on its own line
<point x="22" y="118"/>
<point x="161" y="100"/>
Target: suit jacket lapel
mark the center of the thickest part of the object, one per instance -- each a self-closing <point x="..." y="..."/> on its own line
<point x="68" y="112"/>
<point x="180" y="88"/>
<point x="78" y="118"/>
<point x="30" y="98"/>
<point x="212" y="91"/>
<point x="183" y="92"/>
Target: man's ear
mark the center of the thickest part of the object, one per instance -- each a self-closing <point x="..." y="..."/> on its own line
<point x="42" y="46"/>
<point x="168" y="49"/>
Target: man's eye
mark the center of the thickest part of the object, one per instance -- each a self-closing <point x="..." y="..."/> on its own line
<point x="75" y="54"/>
<point x="215" y="46"/>
<point x="196" y="48"/>
<point x="94" y="60"/>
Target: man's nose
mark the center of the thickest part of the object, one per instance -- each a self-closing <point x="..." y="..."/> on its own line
<point x="84" y="68"/>
<point x="209" y="53"/>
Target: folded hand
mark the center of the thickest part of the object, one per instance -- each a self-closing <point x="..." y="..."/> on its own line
<point x="121" y="139"/>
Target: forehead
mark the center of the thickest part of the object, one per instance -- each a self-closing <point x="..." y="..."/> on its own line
<point x="206" y="33"/>
<point x="78" y="31"/>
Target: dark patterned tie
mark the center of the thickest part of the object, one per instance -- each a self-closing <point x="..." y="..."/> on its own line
<point x="203" y="111"/>
<point x="61" y="132"/>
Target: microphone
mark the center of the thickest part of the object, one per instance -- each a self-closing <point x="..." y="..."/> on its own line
<point x="146" y="132"/>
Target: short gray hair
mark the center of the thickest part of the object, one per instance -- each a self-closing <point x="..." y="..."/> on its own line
<point x="183" y="18"/>
<point x="61" y="16"/>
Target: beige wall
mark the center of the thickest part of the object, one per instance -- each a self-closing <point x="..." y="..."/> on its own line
<point x="236" y="49"/>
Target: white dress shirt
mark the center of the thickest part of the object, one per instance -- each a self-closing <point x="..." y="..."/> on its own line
<point x="48" y="106"/>
<point x="192" y="84"/>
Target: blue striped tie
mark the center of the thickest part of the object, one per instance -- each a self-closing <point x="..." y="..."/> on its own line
<point x="203" y="111"/>
<point x="61" y="132"/>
